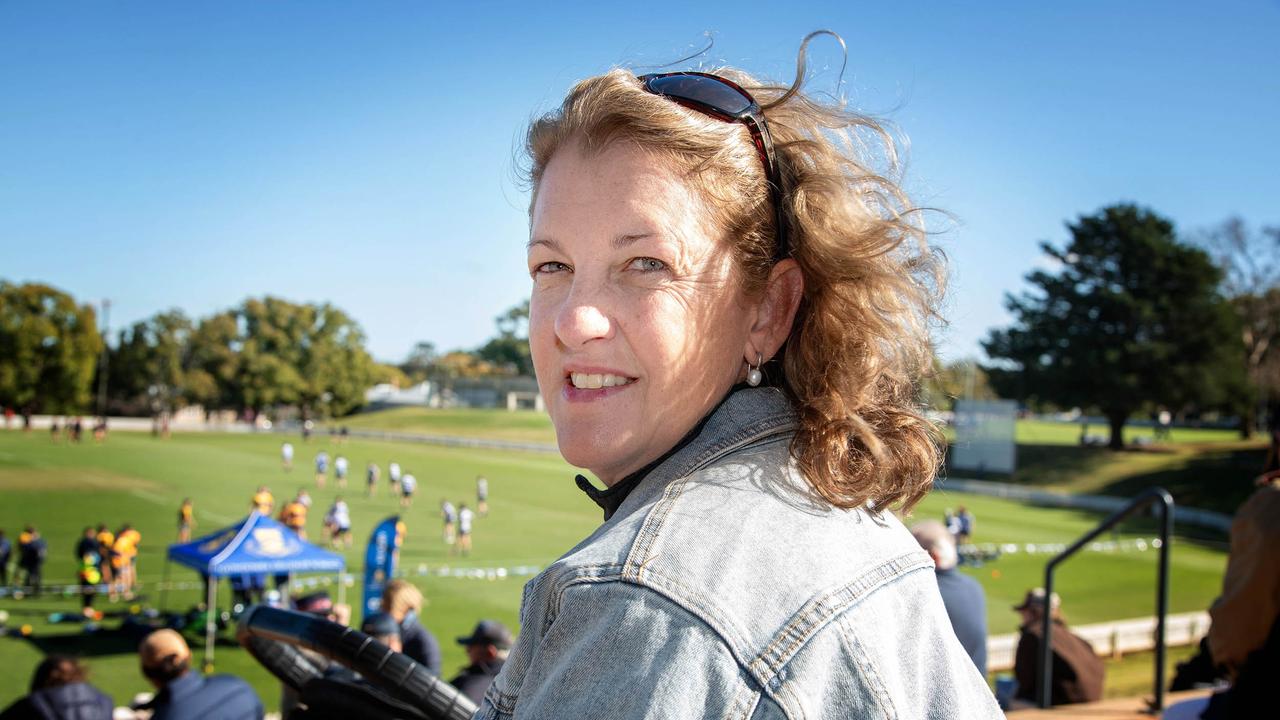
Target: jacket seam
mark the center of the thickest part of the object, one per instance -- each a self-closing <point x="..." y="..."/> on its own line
<point x="820" y="610"/>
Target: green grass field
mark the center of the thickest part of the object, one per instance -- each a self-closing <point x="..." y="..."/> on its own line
<point x="536" y="514"/>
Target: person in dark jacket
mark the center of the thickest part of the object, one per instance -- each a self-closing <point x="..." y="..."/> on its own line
<point x="60" y="691"/>
<point x="487" y="648"/>
<point x="1078" y="672"/>
<point x="186" y="695"/>
<point x="403" y="601"/>
<point x="6" y="551"/>
<point x="88" y="544"/>
<point x="31" y="554"/>
<point x="963" y="597"/>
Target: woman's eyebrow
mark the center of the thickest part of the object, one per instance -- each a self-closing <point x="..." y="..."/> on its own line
<point x="622" y="241"/>
<point x="548" y="242"/>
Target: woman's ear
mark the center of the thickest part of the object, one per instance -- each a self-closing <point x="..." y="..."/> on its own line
<point x="776" y="310"/>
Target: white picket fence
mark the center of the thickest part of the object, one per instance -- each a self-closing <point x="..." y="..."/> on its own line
<point x="1113" y="639"/>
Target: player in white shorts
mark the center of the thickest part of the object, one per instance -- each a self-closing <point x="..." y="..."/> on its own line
<point x="482" y="495"/>
<point x="408" y="484"/>
<point x="286" y="456"/>
<point x="340" y="467"/>
<point x="465" y="517"/>
<point x="450" y="521"/>
<point x="393" y="474"/>
<point x="322" y="467"/>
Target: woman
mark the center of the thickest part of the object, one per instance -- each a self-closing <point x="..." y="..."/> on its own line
<point x="60" y="690"/>
<point x="402" y="600"/>
<point x="727" y="322"/>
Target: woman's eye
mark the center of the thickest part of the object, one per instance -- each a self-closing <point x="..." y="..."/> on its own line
<point x="548" y="268"/>
<point x="648" y="264"/>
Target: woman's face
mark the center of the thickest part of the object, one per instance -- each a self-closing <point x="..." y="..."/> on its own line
<point x="637" y="323"/>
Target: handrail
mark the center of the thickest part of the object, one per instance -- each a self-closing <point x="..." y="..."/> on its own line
<point x="1152" y="496"/>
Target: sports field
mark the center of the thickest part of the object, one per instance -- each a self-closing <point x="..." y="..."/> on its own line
<point x="536" y="513"/>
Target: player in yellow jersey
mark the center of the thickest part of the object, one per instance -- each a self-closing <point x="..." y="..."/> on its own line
<point x="186" y="520"/>
<point x="263" y="501"/>
<point x="294" y="516"/>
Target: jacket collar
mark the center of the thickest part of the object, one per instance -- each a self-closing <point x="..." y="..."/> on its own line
<point x="744" y="416"/>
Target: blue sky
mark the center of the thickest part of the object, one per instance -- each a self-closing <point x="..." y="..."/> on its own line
<point x="193" y="154"/>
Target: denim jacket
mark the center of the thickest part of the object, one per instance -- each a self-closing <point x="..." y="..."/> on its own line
<point x="721" y="588"/>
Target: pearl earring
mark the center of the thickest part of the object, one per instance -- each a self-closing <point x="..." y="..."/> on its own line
<point x="754" y="376"/>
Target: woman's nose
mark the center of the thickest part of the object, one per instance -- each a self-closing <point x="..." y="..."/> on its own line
<point x="582" y="318"/>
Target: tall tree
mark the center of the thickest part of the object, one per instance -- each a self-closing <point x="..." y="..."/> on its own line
<point x="1250" y="263"/>
<point x="510" y="349"/>
<point x="1132" y="316"/>
<point x="49" y="347"/>
<point x="150" y="363"/>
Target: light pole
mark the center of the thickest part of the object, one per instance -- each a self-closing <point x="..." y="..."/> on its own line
<point x="102" y="362"/>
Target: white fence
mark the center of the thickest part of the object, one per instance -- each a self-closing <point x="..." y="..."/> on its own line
<point x="1096" y="503"/>
<point x="1113" y="639"/>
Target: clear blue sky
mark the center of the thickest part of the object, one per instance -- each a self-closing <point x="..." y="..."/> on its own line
<point x="193" y="154"/>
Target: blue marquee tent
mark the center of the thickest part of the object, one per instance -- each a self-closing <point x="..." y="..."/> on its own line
<point x="255" y="545"/>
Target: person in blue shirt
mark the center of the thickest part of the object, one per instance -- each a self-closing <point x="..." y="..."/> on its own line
<point x="181" y="693"/>
<point x="963" y="597"/>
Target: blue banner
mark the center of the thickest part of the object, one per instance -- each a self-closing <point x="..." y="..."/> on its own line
<point x="380" y="561"/>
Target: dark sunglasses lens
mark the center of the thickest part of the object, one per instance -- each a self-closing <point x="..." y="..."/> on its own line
<point x="704" y="90"/>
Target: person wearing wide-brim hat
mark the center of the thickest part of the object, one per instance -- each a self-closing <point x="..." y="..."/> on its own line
<point x="487" y="647"/>
<point x="1078" y="672"/>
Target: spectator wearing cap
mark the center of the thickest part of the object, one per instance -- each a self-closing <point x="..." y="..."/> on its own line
<point x="1077" y="674"/>
<point x="962" y="596"/>
<point x="60" y="689"/>
<point x="186" y="695"/>
<point x="403" y="601"/>
<point x="487" y="648"/>
<point x="382" y="627"/>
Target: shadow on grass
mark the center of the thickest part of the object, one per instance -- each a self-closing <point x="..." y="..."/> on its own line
<point x="1212" y="479"/>
<point x="1211" y="476"/>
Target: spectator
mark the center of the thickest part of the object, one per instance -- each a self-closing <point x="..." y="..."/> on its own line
<point x="60" y="691"/>
<point x="88" y="544"/>
<point x="1245" y="635"/>
<point x="382" y="627"/>
<point x="6" y="552"/>
<point x="403" y="601"/>
<point x="962" y="595"/>
<point x="321" y="605"/>
<point x="31" y="555"/>
<point x="1077" y="674"/>
<point x="966" y="521"/>
<point x="487" y="648"/>
<point x="166" y="663"/>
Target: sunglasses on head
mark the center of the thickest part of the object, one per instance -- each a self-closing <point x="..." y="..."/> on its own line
<point x="726" y="100"/>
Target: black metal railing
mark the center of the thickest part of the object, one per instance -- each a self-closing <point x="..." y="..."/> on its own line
<point x="1164" y="500"/>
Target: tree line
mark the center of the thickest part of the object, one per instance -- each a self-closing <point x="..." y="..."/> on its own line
<point x="1128" y="317"/>
<point x="263" y="354"/>
<point x="266" y="352"/>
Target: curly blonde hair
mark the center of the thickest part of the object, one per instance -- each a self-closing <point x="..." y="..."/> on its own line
<point x="860" y="341"/>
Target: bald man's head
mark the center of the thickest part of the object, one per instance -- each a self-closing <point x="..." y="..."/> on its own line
<point x="936" y="540"/>
<point x="164" y="656"/>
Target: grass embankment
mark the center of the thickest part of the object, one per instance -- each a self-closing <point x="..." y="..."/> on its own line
<point x="523" y="426"/>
